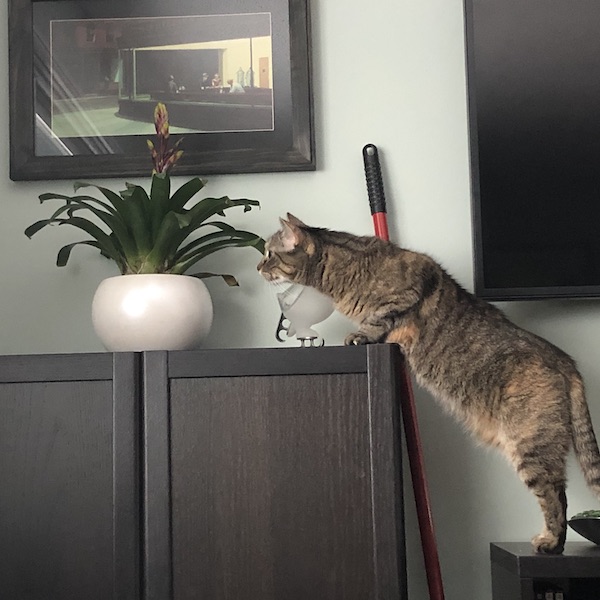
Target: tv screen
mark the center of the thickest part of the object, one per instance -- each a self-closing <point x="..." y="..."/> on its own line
<point x="533" y="72"/>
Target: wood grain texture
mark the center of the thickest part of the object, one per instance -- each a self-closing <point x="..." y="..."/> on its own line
<point x="56" y="367"/>
<point x="386" y="472"/>
<point x="126" y="396"/>
<point x="56" y="511"/>
<point x="156" y="508"/>
<point x="69" y="499"/>
<point x="272" y="486"/>
<point x="268" y="361"/>
<point x="272" y="478"/>
<point x="268" y="514"/>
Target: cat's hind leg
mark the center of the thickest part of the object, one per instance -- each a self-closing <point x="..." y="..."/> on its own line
<point x="535" y="420"/>
<point x="553" y="502"/>
<point x="544" y="474"/>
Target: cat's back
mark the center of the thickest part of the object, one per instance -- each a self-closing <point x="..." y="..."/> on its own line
<point x="465" y="340"/>
<point x="438" y="319"/>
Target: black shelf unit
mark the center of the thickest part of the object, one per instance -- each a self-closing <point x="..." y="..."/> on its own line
<point x="518" y="573"/>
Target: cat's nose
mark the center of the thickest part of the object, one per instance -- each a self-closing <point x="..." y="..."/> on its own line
<point x="260" y="265"/>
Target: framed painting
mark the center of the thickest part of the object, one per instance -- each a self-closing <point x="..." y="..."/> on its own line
<point x="86" y="75"/>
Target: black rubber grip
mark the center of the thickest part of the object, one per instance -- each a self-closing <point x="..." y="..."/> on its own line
<point x="374" y="180"/>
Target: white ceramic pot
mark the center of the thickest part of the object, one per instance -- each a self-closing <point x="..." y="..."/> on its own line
<point x="151" y="312"/>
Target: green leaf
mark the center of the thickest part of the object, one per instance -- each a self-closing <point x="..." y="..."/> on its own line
<point x="35" y="227"/>
<point x="218" y="224"/>
<point x="114" y="223"/>
<point x="183" y="194"/>
<point x="206" y="208"/>
<point x="139" y="204"/>
<point x="188" y="260"/>
<point x="80" y="199"/>
<point x="260" y="244"/>
<point x="230" y="280"/>
<point x="65" y="252"/>
<point x="114" y="198"/>
<point x="159" y="201"/>
<point x="104" y="241"/>
<point x="121" y="207"/>
<point x="220" y="239"/>
<point x="158" y="259"/>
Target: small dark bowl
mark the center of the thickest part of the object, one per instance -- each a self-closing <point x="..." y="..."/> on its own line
<point x="588" y="527"/>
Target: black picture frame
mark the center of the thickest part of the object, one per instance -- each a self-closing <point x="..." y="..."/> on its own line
<point x="286" y="145"/>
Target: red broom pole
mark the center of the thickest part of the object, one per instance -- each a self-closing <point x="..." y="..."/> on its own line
<point x="407" y="404"/>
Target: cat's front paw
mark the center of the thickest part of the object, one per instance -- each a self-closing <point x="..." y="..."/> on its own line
<point x="357" y="339"/>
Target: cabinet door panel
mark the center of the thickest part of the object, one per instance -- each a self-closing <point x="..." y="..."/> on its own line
<point x="69" y="478"/>
<point x="56" y="494"/>
<point x="271" y="492"/>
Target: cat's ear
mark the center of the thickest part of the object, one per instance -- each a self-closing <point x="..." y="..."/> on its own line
<point x="295" y="220"/>
<point x="291" y="235"/>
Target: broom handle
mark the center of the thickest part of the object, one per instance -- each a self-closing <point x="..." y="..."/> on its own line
<point x="407" y="404"/>
<point x="375" y="191"/>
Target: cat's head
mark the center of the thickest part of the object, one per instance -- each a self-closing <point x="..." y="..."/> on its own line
<point x="288" y="252"/>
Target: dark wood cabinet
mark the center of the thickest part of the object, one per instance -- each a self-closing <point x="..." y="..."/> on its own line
<point x="68" y="477"/>
<point x="518" y="573"/>
<point x="263" y="473"/>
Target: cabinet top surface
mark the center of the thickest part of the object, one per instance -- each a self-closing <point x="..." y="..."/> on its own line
<point x="580" y="559"/>
<point x="279" y="361"/>
<point x="202" y="363"/>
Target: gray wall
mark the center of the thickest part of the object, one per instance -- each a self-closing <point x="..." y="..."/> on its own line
<point x="407" y="59"/>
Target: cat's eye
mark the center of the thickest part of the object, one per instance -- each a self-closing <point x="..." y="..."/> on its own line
<point x="268" y="254"/>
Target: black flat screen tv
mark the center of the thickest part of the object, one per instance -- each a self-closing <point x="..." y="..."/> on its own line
<point x="533" y="76"/>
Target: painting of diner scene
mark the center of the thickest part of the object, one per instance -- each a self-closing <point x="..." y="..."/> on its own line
<point x="214" y="72"/>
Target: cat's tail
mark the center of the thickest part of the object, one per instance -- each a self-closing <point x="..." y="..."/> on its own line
<point x="584" y="439"/>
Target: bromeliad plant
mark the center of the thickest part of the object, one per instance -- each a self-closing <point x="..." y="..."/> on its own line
<point x="152" y="233"/>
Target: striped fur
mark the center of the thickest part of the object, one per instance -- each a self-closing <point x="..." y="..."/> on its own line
<point x="510" y="388"/>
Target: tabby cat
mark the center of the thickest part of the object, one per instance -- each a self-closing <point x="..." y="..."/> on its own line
<point x="510" y="388"/>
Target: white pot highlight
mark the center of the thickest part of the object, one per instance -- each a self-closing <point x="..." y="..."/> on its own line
<point x="151" y="312"/>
